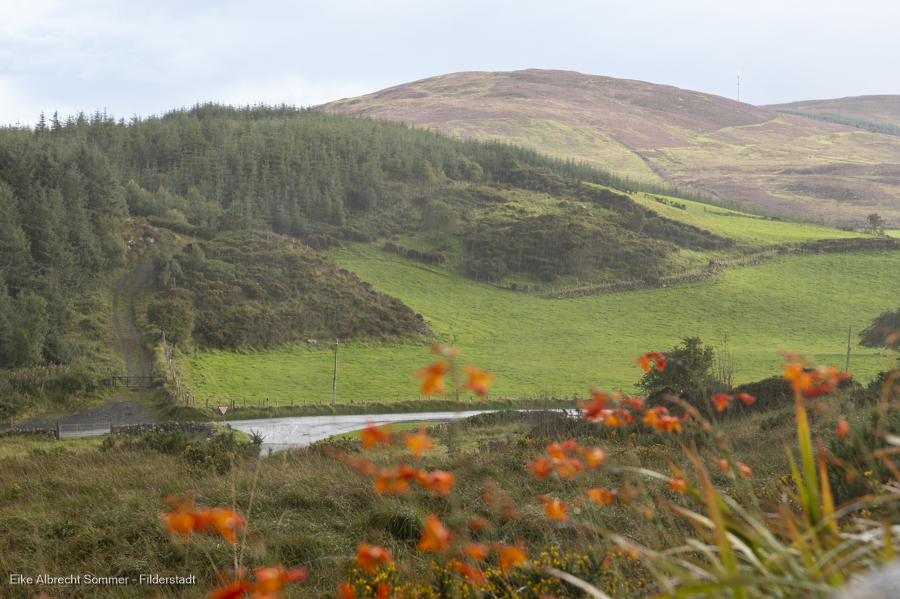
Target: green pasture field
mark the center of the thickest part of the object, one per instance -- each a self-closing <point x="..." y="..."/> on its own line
<point x="893" y="233"/>
<point x="541" y="346"/>
<point x="747" y="230"/>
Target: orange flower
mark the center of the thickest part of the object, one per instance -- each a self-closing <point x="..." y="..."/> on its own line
<point x="184" y="520"/>
<point x="270" y="580"/>
<point x="746" y="398"/>
<point x="418" y="443"/>
<point x="601" y="496"/>
<point x="382" y="590"/>
<point x="842" y="429"/>
<point x="556" y="451"/>
<point x="651" y="416"/>
<point x="231" y="590"/>
<point x="721" y="463"/>
<point x="541" y="466"/>
<point x="592" y="409"/>
<point x="511" y="555"/>
<point x="745" y="470"/>
<point x="720" y="400"/>
<point x="476" y="524"/>
<point x="568" y="467"/>
<point x="375" y="435"/>
<point x="475" y="551"/>
<point x="635" y="403"/>
<point x="347" y="590"/>
<point x="469" y="572"/>
<point x="433" y="377"/>
<point x="653" y="357"/>
<point x="438" y="481"/>
<point x="221" y="520"/>
<point x="395" y="480"/>
<point x="478" y="380"/>
<point x="594" y="456"/>
<point x="370" y="557"/>
<point x="670" y="424"/>
<point x="678" y="484"/>
<point x="556" y="510"/>
<point x="434" y="536"/>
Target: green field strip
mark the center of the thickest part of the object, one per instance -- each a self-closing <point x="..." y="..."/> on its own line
<point x="537" y="345"/>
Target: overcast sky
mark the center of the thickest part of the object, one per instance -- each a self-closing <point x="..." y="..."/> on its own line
<point x="142" y="58"/>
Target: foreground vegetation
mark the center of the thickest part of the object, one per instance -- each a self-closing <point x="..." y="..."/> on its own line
<point x="313" y="507"/>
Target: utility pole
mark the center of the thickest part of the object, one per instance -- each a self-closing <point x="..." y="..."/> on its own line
<point x="739" y="86"/>
<point x="847" y="367"/>
<point x="334" y="383"/>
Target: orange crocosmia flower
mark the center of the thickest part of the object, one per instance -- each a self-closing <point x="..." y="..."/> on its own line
<point x="569" y="446"/>
<point x="475" y="551"/>
<point x="476" y="524"/>
<point x="232" y="590"/>
<point x="511" y="555"/>
<point x="347" y="590"/>
<point x="391" y="480"/>
<point x="469" y="572"/>
<point x="635" y="403"/>
<point x="375" y="435"/>
<point x="745" y="469"/>
<point x="745" y="397"/>
<point x="270" y="580"/>
<point x="568" y="467"/>
<point x="540" y="466"/>
<point x="438" y="481"/>
<point x="556" y="510"/>
<point x="610" y="417"/>
<point x="433" y="377"/>
<point x="556" y="451"/>
<point x="382" y="590"/>
<point x="370" y="557"/>
<point x="647" y="359"/>
<point x="181" y="522"/>
<point x="720" y="400"/>
<point x="721" y="463"/>
<point x="625" y="416"/>
<point x="842" y="429"/>
<point x="434" y="536"/>
<point x="678" y="484"/>
<point x="601" y="496"/>
<point x="418" y="443"/>
<point x="599" y="402"/>
<point x="221" y="520"/>
<point x="593" y="456"/>
<point x="478" y="380"/>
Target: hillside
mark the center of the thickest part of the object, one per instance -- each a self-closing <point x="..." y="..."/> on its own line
<point x="884" y="110"/>
<point x="735" y="151"/>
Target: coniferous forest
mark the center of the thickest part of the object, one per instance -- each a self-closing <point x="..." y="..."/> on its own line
<point x="84" y="196"/>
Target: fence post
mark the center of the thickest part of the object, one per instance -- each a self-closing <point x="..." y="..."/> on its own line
<point x="110" y="426"/>
<point x="57" y="430"/>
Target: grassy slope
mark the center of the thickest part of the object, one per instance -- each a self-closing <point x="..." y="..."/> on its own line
<point x="537" y="345"/>
<point x="748" y="232"/>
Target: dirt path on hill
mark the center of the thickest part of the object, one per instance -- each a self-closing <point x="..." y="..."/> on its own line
<point x="130" y="405"/>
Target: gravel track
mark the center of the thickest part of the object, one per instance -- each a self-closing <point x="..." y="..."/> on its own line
<point x="130" y="405"/>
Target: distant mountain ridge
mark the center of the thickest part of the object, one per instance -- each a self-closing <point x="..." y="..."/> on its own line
<point x="884" y="110"/>
<point x="732" y="150"/>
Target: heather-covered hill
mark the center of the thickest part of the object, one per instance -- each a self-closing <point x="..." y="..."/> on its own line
<point x="736" y="151"/>
<point x="884" y="110"/>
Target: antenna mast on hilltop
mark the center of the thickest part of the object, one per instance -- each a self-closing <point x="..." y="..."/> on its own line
<point x="739" y="86"/>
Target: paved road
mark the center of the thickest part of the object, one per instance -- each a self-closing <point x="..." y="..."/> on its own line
<point x="282" y="433"/>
